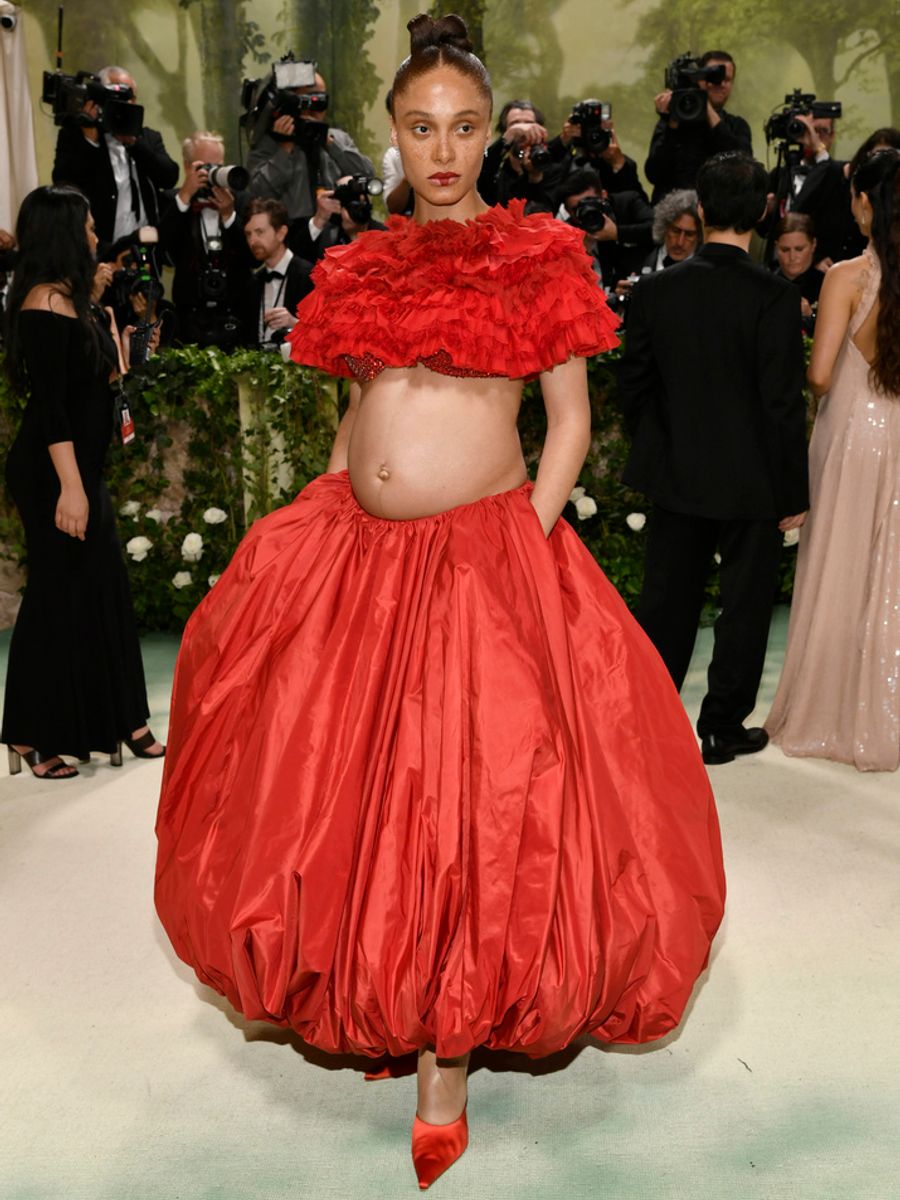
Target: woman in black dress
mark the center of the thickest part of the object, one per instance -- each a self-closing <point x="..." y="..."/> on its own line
<point x="75" y="681"/>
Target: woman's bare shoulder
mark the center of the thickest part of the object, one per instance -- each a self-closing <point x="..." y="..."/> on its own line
<point x="849" y="275"/>
<point x="49" y="297"/>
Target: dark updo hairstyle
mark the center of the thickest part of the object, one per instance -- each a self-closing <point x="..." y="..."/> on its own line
<point x="879" y="178"/>
<point x="881" y="139"/>
<point x="440" y="43"/>
<point x="53" y="249"/>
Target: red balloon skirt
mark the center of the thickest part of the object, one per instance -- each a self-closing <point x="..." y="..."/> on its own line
<point x="428" y="783"/>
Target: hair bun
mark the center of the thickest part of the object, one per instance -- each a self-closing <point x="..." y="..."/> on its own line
<point x="425" y="32"/>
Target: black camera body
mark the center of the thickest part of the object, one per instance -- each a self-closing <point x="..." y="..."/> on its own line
<point x="265" y="100"/>
<point x="541" y="158"/>
<point x="683" y="78"/>
<point x="590" y="115"/>
<point x="591" y="214"/>
<point x="354" y="195"/>
<point x="67" y="95"/>
<point x="784" y="126"/>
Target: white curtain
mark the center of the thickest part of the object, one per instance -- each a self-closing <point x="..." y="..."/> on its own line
<point x="18" y="163"/>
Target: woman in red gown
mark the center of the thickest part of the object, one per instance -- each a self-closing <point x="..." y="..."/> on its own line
<point x="428" y="785"/>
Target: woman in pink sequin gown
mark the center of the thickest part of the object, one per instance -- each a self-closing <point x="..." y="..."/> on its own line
<point x="839" y="695"/>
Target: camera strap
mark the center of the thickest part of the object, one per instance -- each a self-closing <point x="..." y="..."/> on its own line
<point x="123" y="420"/>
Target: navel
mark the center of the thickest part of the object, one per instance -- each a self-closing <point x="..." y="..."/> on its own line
<point x="383" y="472"/>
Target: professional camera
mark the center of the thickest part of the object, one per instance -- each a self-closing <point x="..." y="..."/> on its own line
<point x="784" y="125"/>
<point x="233" y="178"/>
<point x="683" y="78"/>
<point x="591" y="214"/>
<point x="67" y="95"/>
<point x="354" y="196"/>
<point x="590" y="115"/>
<point x="265" y="100"/>
<point x="541" y="158"/>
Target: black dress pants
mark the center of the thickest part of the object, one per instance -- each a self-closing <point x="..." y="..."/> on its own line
<point x="680" y="550"/>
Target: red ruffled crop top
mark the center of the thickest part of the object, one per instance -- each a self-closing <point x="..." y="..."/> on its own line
<point x="501" y="295"/>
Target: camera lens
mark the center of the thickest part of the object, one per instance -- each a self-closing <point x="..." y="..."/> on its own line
<point x="8" y="21"/>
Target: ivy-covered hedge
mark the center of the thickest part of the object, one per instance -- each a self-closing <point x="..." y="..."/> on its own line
<point x="243" y="433"/>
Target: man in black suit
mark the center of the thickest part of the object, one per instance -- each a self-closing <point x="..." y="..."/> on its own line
<point x="202" y="237"/>
<point x="712" y="389"/>
<point x="621" y="241"/>
<point x="816" y="184"/>
<point x="678" y="149"/>
<point x="122" y="176"/>
<point x="281" y="282"/>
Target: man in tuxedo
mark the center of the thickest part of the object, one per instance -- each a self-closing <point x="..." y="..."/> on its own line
<point x="281" y="282"/>
<point x="712" y="390"/>
<point x="818" y="185"/>
<point x="203" y="239"/>
<point x="122" y="176"/>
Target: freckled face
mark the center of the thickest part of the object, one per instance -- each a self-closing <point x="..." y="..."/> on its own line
<point x="442" y="125"/>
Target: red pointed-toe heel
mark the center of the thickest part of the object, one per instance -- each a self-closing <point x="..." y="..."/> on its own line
<point x="437" y="1147"/>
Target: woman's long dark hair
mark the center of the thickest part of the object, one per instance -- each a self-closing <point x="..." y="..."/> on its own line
<point x="52" y="249"/>
<point x="879" y="179"/>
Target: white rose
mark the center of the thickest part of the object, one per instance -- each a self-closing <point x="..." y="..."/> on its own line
<point x="130" y="508"/>
<point x="138" y="548"/>
<point x="791" y="537"/>
<point x="576" y="494"/>
<point x="182" y="579"/>
<point x="192" y="548"/>
<point x="154" y="514"/>
<point x="585" y="507"/>
<point x="717" y="558"/>
<point x="215" y="516"/>
<point x="636" y="521"/>
<point x="213" y="580"/>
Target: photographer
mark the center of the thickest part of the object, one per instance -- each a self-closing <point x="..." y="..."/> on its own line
<point x="617" y="229"/>
<point x="340" y="217"/>
<point x="122" y="175"/>
<point x="286" y="165"/>
<point x="517" y="164"/>
<point x="281" y="283"/>
<point x="202" y="238"/>
<point x="677" y="233"/>
<point x="808" y="180"/>
<point x="574" y="148"/>
<point x="795" y="246"/>
<point x="680" y="146"/>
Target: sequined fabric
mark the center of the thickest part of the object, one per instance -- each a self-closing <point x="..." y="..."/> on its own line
<point x="839" y="695"/>
<point x="368" y="366"/>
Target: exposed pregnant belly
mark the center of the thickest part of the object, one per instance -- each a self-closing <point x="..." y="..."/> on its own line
<point x="422" y="443"/>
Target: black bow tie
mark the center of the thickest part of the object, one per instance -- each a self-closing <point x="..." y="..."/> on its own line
<point x="271" y="276"/>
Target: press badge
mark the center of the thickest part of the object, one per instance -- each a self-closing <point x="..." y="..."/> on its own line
<point x="124" y="420"/>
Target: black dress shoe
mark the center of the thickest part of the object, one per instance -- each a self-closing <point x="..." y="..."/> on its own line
<point x="724" y="747"/>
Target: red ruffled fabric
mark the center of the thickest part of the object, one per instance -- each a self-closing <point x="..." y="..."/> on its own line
<point x="503" y="294"/>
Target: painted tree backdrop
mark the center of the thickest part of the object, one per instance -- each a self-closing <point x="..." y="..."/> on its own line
<point x="190" y="56"/>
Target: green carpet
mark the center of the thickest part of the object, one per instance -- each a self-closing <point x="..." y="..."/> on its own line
<point x="124" y="1079"/>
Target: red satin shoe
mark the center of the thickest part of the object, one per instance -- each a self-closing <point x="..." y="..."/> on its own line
<point x="437" y="1147"/>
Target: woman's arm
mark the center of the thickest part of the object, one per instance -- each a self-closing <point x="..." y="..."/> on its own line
<point x="72" y="507"/>
<point x="568" y="439"/>
<point x="338" y="459"/>
<point x="836" y="304"/>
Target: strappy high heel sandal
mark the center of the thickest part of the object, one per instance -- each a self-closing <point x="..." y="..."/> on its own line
<point x="139" y="747"/>
<point x="34" y="758"/>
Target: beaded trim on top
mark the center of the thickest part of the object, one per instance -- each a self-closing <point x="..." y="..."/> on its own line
<point x="367" y="367"/>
